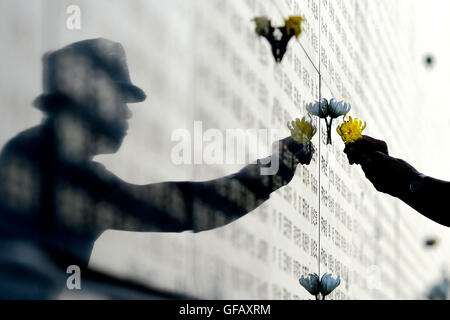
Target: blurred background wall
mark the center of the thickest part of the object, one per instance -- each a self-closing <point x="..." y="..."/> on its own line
<point x="201" y="61"/>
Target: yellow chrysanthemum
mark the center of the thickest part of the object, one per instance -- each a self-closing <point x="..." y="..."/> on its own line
<point x="294" y="23"/>
<point x="302" y="131"/>
<point x="351" y="130"/>
<point x="262" y="25"/>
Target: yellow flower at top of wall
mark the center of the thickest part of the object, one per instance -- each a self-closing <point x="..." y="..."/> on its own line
<point x="278" y="36"/>
<point x="351" y="130"/>
<point x="262" y="26"/>
<point x="294" y="23"/>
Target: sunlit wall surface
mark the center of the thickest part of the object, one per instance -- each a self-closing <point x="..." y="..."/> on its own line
<point x="201" y="61"/>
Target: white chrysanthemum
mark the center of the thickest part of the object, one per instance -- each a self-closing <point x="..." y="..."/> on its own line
<point x="328" y="284"/>
<point x="338" y="108"/>
<point x="311" y="283"/>
<point x="319" y="108"/>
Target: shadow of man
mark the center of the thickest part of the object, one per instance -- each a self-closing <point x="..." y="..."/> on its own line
<point x="56" y="201"/>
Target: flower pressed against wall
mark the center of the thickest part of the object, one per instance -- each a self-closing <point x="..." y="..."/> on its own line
<point x="324" y="287"/>
<point x="294" y="25"/>
<point x="278" y="37"/>
<point x="262" y="26"/>
<point x="318" y="109"/>
<point x="338" y="108"/>
<point x="331" y="110"/>
<point x="311" y="284"/>
<point x="328" y="284"/>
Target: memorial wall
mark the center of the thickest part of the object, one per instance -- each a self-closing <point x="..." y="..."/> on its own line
<point x="204" y="68"/>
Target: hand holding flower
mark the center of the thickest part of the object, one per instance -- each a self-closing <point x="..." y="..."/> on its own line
<point x="364" y="147"/>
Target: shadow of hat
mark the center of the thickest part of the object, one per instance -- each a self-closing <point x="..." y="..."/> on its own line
<point x="74" y="70"/>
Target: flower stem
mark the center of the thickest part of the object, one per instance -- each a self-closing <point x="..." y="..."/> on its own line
<point x="329" y="130"/>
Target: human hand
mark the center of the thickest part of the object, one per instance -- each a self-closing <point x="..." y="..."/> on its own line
<point x="361" y="149"/>
<point x="295" y="152"/>
<point x="290" y="154"/>
<point x="387" y="174"/>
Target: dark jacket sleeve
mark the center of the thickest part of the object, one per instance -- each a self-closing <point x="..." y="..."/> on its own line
<point x="431" y="199"/>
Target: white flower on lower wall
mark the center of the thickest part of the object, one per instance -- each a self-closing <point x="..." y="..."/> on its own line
<point x="328" y="284"/>
<point x="324" y="287"/>
<point x="311" y="284"/>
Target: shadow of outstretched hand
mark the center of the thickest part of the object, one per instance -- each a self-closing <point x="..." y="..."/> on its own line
<point x="301" y="153"/>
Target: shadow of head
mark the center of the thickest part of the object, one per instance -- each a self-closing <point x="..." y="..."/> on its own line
<point x="87" y="87"/>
